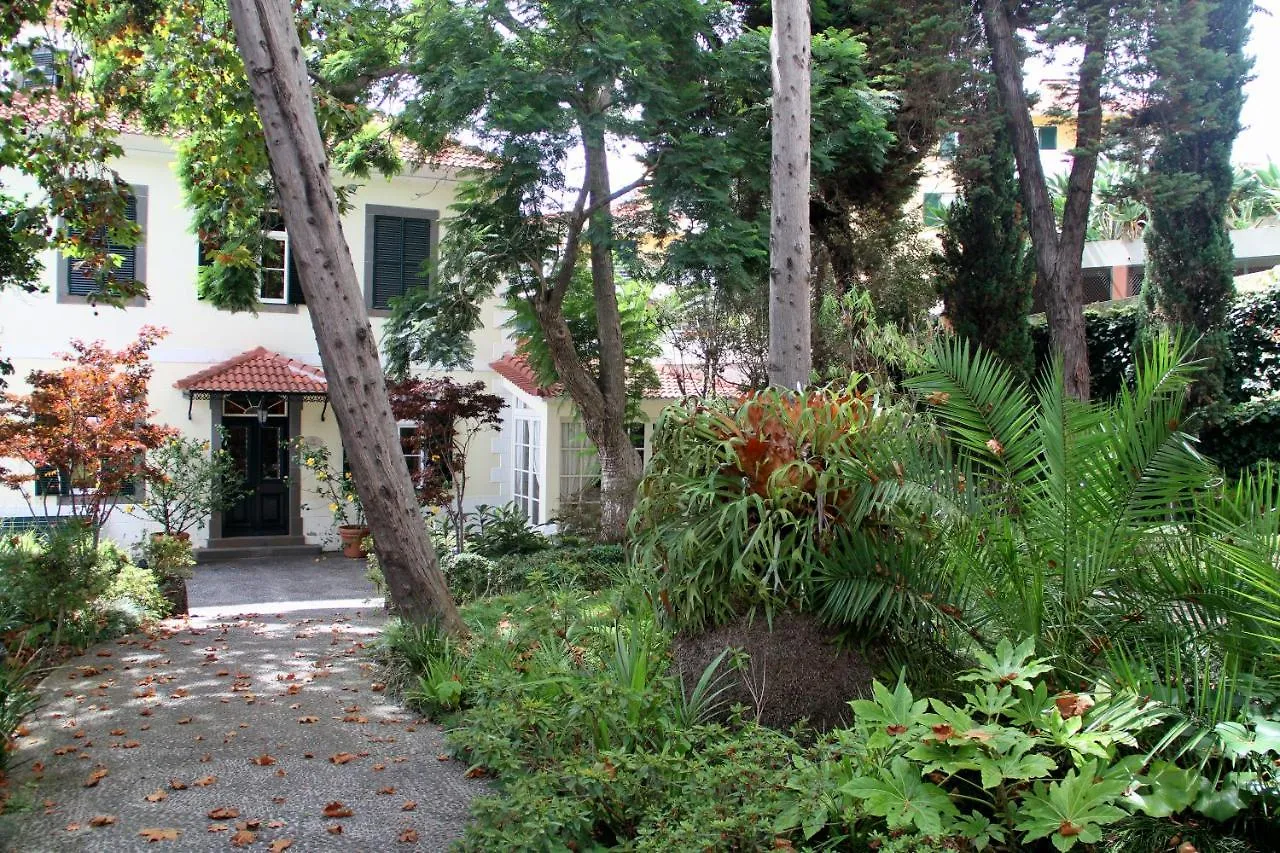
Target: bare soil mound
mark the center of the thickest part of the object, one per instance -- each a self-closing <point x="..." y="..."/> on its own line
<point x="793" y="672"/>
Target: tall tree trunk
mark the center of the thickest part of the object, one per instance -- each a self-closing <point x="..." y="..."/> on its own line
<point x="790" y="355"/>
<point x="619" y="462"/>
<point x="268" y="43"/>
<point x="1058" y="255"/>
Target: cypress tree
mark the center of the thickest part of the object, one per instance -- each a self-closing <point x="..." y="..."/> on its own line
<point x="985" y="269"/>
<point x="1199" y="72"/>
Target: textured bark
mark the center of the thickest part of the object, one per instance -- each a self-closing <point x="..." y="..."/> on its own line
<point x="1058" y="255"/>
<point x="268" y="43"/>
<point x="619" y="462"/>
<point x="790" y="355"/>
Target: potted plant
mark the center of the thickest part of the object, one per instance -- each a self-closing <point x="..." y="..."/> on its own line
<point x="338" y="490"/>
<point x="171" y="559"/>
<point x="186" y="482"/>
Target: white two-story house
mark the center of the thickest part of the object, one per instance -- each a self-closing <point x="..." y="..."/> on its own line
<point x="257" y="379"/>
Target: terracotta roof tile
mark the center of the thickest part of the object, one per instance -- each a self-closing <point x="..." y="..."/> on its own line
<point x="40" y="111"/>
<point x="674" y="380"/>
<point x="258" y="370"/>
<point x="683" y="380"/>
<point x="516" y="370"/>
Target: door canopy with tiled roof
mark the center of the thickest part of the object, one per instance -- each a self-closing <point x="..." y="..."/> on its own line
<point x="258" y="371"/>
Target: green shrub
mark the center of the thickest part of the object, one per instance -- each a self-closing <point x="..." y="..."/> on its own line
<point x="137" y="591"/>
<point x="760" y="503"/>
<point x="1247" y="434"/>
<point x="52" y="580"/>
<point x="497" y="531"/>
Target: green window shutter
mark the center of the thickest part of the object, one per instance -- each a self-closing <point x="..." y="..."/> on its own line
<point x="81" y="282"/>
<point x="292" y="287"/>
<point x="1047" y="136"/>
<point x="401" y="249"/>
<point x="50" y="481"/>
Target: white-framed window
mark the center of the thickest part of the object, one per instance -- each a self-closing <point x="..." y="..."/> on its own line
<point x="580" y="462"/>
<point x="411" y="448"/>
<point x="273" y="281"/>
<point x="527" y="488"/>
<point x="579" y="466"/>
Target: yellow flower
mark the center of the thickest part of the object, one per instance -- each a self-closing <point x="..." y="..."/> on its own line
<point x="320" y="475"/>
<point x="333" y="507"/>
<point x="347" y="475"/>
<point x="311" y="462"/>
<point x="350" y="498"/>
<point x="435" y="457"/>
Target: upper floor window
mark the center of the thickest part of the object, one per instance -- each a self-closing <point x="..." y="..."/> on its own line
<point x="398" y="245"/>
<point x="41" y="66"/>
<point x="276" y="273"/>
<point x="78" y="281"/>
<point x="1047" y="136"/>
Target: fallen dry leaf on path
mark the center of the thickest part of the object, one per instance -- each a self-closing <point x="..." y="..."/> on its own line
<point x="308" y="719"/>
<point x="243" y="838"/>
<point x="223" y="813"/>
<point x="219" y="827"/>
<point x="336" y="829"/>
<point x="262" y="760"/>
<point x="343" y="757"/>
<point x="96" y="776"/>
<point x="205" y="781"/>
<point x="387" y="790"/>
<point x="408" y="835"/>
<point x="280" y="844"/>
<point x="73" y="827"/>
<point x="337" y="809"/>
<point x="156" y="796"/>
<point x="102" y="820"/>
<point x="154" y="834"/>
<point x="177" y="785"/>
<point x="409" y="805"/>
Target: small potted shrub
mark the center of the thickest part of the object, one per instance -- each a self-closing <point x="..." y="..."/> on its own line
<point x="186" y="482"/>
<point x="171" y="559"/>
<point x="338" y="490"/>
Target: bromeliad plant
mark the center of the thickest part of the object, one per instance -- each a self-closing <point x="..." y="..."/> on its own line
<point x="752" y="503"/>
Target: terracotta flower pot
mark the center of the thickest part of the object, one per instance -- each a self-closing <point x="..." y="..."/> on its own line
<point x="352" y="536"/>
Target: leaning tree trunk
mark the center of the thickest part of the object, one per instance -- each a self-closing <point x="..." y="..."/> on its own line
<point x="790" y="354"/>
<point x="1058" y="255"/>
<point x="269" y="45"/>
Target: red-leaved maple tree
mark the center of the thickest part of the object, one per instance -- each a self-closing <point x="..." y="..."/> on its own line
<point x="447" y="417"/>
<point x="83" y="431"/>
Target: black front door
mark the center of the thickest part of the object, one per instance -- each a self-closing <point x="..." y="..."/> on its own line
<point x="261" y="454"/>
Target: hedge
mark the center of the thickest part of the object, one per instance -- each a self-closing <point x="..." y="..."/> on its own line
<point x="1249" y="431"/>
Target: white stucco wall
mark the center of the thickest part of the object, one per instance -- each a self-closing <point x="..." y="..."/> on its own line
<point x="35" y="326"/>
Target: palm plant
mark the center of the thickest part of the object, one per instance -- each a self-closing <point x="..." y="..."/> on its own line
<point x="1099" y="530"/>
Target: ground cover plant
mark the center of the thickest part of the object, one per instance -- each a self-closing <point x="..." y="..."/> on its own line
<point x="570" y="700"/>
<point x="1111" y="596"/>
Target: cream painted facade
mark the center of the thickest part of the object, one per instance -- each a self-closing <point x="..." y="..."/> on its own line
<point x="33" y="327"/>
